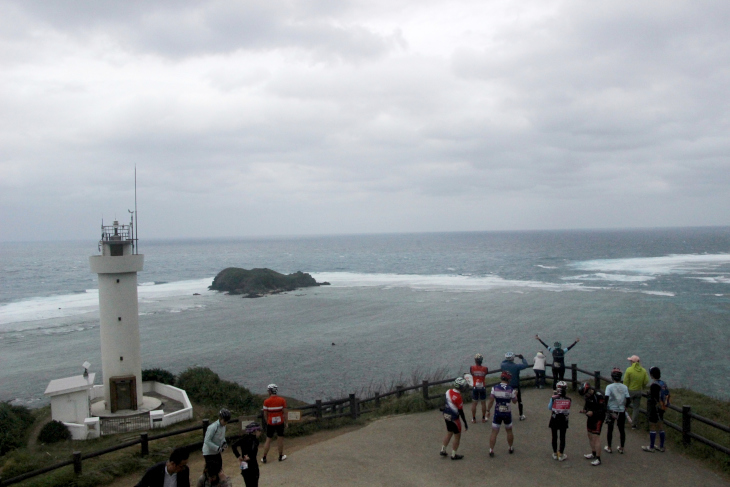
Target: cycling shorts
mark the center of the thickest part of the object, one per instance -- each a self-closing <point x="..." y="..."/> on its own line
<point x="274" y="429"/>
<point x="479" y="394"/>
<point x="453" y="426"/>
<point x="502" y="418"/>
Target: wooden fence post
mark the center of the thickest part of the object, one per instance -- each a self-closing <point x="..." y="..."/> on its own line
<point x="206" y="423"/>
<point x="425" y="390"/>
<point x="399" y="392"/>
<point x="686" y="425"/>
<point x="144" y="444"/>
<point x="353" y="406"/>
<point x="597" y="380"/>
<point x="574" y="376"/>
<point x="318" y="411"/>
<point x="377" y="399"/>
<point x="77" y="462"/>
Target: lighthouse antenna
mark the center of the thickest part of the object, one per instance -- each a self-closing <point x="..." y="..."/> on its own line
<point x="136" y="220"/>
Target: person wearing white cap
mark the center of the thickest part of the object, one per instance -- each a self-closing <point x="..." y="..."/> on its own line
<point x="636" y="379"/>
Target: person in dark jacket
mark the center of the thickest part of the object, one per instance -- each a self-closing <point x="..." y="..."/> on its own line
<point x="175" y="470"/>
<point x="249" y="447"/>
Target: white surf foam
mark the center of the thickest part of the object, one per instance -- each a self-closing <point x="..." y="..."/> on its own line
<point x="436" y="282"/>
<point x="656" y="266"/>
<point x="65" y="305"/>
<point x="602" y="276"/>
<point x="715" y="280"/>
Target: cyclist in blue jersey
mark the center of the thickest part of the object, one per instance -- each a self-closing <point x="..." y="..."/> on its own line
<point x="503" y="395"/>
<point x="513" y="368"/>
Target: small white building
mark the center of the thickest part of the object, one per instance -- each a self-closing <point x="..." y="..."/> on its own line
<point x="71" y="404"/>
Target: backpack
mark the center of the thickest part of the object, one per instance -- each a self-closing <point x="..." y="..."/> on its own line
<point x="558" y="355"/>
<point x="664" y="395"/>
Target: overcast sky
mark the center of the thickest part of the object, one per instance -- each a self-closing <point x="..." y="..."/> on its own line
<point x="249" y="118"/>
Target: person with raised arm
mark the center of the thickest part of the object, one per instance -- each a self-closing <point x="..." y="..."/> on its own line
<point x="558" y="358"/>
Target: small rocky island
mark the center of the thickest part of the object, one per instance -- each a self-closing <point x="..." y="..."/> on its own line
<point x="255" y="283"/>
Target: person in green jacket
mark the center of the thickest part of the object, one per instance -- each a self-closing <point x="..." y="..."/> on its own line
<point x="636" y="379"/>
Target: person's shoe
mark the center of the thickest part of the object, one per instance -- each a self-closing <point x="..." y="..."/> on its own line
<point x="457" y="457"/>
<point x="648" y="449"/>
<point x="660" y="449"/>
<point x="491" y="453"/>
<point x="589" y="456"/>
<point x="620" y="450"/>
<point x="282" y="458"/>
<point x="563" y="457"/>
<point x="443" y="453"/>
<point x="596" y="462"/>
<point x="511" y="450"/>
<point x="473" y="419"/>
<point x="263" y="459"/>
<point x="522" y="417"/>
<point x="634" y="427"/>
<point x="607" y="449"/>
<point x="484" y="420"/>
<point x="555" y="456"/>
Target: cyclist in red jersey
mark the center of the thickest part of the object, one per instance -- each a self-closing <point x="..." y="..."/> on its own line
<point x="479" y="391"/>
<point x="275" y="417"/>
<point x="453" y="410"/>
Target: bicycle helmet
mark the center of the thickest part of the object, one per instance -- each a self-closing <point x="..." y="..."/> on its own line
<point x="459" y="383"/>
<point x="557" y="345"/>
<point x="585" y="388"/>
<point x="272" y="388"/>
<point x="616" y="374"/>
<point x="509" y="356"/>
<point x="505" y="375"/>
<point x="561" y="385"/>
<point x="252" y="427"/>
<point x="479" y="358"/>
<point x="224" y="414"/>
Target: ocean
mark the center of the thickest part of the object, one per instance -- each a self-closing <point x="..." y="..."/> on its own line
<point x="398" y="305"/>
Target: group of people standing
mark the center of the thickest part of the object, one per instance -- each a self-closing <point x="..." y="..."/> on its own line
<point x="599" y="408"/>
<point x="175" y="473"/>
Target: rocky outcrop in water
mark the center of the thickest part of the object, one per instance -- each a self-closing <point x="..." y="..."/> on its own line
<point x="255" y="283"/>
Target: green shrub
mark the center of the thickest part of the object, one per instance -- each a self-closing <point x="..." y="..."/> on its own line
<point x="158" y="375"/>
<point x="19" y="462"/>
<point x="53" y="432"/>
<point x="14" y="424"/>
<point x="206" y="388"/>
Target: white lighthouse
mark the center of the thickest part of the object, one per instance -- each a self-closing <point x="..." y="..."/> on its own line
<point x="121" y="363"/>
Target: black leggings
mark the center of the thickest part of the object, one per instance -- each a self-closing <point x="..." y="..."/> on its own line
<point x="251" y="477"/>
<point x="620" y="422"/>
<point x="558" y="374"/>
<point x="519" y="399"/>
<point x="562" y="439"/>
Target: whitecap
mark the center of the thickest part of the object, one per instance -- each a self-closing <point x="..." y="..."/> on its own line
<point x="602" y="276"/>
<point x="654" y="266"/>
<point x="439" y="281"/>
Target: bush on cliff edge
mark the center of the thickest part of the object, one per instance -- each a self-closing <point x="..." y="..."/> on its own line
<point x="206" y="388"/>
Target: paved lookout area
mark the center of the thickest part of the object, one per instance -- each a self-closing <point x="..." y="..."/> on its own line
<point x="403" y="451"/>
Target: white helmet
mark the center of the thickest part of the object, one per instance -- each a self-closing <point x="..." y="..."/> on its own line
<point x="479" y="358"/>
<point x="459" y="383"/>
<point x="509" y="356"/>
<point x="272" y="388"/>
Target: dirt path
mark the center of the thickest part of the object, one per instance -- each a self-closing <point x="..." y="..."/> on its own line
<point x="403" y="451"/>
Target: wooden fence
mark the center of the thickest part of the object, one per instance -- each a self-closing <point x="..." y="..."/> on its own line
<point x="354" y="407"/>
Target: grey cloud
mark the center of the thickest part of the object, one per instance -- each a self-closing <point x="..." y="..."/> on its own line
<point x="194" y="28"/>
